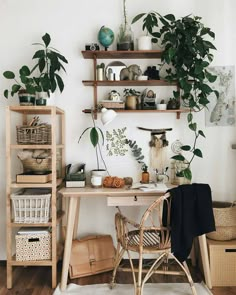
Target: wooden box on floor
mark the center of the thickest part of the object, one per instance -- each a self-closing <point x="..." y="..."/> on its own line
<point x="222" y="255"/>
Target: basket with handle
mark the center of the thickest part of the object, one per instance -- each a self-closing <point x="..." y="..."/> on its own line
<point x="40" y="134"/>
<point x="225" y="221"/>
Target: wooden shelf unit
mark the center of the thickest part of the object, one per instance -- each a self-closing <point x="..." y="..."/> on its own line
<point x="136" y="54"/>
<point x="56" y="117"/>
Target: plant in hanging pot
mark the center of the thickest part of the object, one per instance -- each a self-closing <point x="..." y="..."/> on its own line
<point x="150" y="23"/>
<point x="187" y="49"/>
<point x="25" y="86"/>
<point x="50" y="63"/>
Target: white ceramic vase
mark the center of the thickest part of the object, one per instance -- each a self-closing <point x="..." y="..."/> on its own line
<point x="145" y="43"/>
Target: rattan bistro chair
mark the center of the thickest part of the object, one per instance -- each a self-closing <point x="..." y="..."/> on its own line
<point x="149" y="236"/>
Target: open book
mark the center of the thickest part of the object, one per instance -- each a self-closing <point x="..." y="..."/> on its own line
<point x="149" y="187"/>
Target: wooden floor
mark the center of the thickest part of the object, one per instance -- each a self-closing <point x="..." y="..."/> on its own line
<point x="37" y="280"/>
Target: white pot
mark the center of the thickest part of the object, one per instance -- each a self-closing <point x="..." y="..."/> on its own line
<point x="145" y="43"/>
<point x="97" y="178"/>
<point x="161" y="106"/>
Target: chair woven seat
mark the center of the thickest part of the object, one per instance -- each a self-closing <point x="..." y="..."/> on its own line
<point x="151" y="241"/>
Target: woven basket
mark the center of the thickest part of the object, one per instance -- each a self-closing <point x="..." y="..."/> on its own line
<point x="225" y="221"/>
<point x="40" y="134"/>
<point x="36" y="165"/>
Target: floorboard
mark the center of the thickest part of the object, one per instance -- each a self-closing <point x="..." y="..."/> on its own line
<point x="37" y="280"/>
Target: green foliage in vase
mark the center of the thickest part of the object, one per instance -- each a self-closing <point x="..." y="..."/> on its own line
<point x="137" y="153"/>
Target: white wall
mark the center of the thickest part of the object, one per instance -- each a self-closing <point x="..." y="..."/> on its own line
<point x="71" y="25"/>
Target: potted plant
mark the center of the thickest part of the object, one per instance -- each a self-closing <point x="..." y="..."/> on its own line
<point x="131" y="98"/>
<point x="162" y="105"/>
<point x="96" y="138"/>
<point x="50" y="62"/>
<point x="187" y="49"/>
<point x="150" y="22"/>
<point x="24" y="86"/>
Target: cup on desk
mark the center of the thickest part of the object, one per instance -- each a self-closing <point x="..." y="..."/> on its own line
<point x="96" y="181"/>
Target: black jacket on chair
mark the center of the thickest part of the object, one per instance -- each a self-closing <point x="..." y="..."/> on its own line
<point x="191" y="216"/>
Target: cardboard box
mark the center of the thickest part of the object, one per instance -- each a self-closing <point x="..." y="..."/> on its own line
<point x="33" y="178"/>
<point x="222" y="256"/>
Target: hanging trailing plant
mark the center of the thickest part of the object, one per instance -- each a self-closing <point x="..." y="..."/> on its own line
<point x="187" y="50"/>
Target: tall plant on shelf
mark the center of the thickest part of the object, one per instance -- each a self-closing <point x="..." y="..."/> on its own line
<point x="188" y="50"/>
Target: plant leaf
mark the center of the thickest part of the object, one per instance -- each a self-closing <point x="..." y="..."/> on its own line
<point x="46" y="39"/>
<point x="39" y="54"/>
<point x="9" y="75"/>
<point x="185" y="147"/>
<point x="6" y="92"/>
<point x="178" y="158"/>
<point x="137" y="17"/>
<point x="24" y="71"/>
<point x="187" y="173"/>
<point x="200" y="132"/>
<point x="83" y="133"/>
<point x="94" y="136"/>
<point x="190" y="117"/>
<point x="198" y="153"/>
<point x="59" y="82"/>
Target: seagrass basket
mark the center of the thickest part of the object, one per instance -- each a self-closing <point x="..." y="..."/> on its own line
<point x="225" y="221"/>
<point x="36" y="165"/>
<point x="40" y="134"/>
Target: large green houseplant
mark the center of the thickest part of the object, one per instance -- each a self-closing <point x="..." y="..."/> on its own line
<point x="49" y="65"/>
<point x="43" y="77"/>
<point x="187" y="49"/>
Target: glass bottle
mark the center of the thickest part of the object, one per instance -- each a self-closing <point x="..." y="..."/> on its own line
<point x="145" y="175"/>
<point x="125" y="38"/>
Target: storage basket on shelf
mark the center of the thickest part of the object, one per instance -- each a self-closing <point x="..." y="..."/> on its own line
<point x="36" y="165"/>
<point x="39" y="134"/>
<point x="225" y="221"/>
<point x="33" y="245"/>
<point x="31" y="205"/>
<point x="36" y="161"/>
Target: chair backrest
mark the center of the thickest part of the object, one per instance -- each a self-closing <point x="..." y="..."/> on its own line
<point x="156" y="219"/>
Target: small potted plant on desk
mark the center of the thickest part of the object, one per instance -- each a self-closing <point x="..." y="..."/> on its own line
<point x="96" y="136"/>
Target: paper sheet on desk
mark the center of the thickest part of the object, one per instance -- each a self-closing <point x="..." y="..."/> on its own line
<point x="151" y="187"/>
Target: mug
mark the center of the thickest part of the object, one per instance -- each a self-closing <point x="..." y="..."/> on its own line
<point x="96" y="181"/>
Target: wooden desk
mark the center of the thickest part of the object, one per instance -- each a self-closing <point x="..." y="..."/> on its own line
<point x="74" y="195"/>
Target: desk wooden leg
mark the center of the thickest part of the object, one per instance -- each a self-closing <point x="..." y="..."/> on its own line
<point x="205" y="260"/>
<point x="68" y="241"/>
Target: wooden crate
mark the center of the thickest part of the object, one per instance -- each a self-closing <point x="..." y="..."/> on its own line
<point x="222" y="255"/>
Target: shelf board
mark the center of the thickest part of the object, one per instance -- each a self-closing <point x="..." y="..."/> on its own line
<point x="40" y="110"/>
<point x="177" y="112"/>
<point x="60" y="214"/>
<point x="37" y="185"/>
<point x="128" y="83"/>
<point x="32" y="262"/>
<point x="112" y="54"/>
<point x="35" y="146"/>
